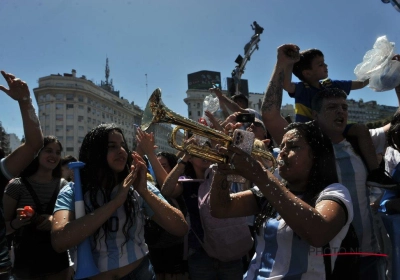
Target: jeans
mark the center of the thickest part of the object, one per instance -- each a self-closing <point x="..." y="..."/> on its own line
<point x="203" y="267"/>
<point x="143" y="272"/>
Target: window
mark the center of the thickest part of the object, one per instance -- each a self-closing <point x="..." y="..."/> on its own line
<point x="80" y="107"/>
<point x="80" y="118"/>
<point x="80" y="98"/>
<point x="80" y="139"/>
<point x="59" y="84"/>
<point x="41" y="108"/>
<point x="70" y="106"/>
<point x="198" y="113"/>
<point x="89" y="109"/>
<point x="59" y="96"/>
<point x="48" y="106"/>
<point x="60" y="138"/>
<point x="70" y="149"/>
<point x="48" y="97"/>
<point x="70" y="117"/>
<point x="89" y="120"/>
<point x="70" y="138"/>
<point x="70" y="96"/>
<point x="59" y="127"/>
<point x="70" y="127"/>
<point x="59" y="106"/>
<point x="59" y="117"/>
<point x="81" y="128"/>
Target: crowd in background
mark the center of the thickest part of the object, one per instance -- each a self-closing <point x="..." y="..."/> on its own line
<point x="279" y="201"/>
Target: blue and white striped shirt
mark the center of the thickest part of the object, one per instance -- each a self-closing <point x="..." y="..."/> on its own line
<point x="108" y="254"/>
<point x="281" y="254"/>
<point x="352" y="173"/>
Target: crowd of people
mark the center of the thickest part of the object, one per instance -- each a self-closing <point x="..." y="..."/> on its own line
<point x="291" y="209"/>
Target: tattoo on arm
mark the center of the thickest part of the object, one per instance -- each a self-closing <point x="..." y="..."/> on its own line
<point x="273" y="96"/>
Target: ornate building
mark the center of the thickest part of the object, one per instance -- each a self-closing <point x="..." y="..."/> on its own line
<point x="70" y="106"/>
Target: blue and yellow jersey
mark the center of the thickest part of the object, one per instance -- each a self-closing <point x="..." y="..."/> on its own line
<point x="304" y="93"/>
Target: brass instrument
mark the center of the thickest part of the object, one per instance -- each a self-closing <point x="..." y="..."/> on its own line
<point x="157" y="112"/>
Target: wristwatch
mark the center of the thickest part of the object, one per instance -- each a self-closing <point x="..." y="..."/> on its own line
<point x="180" y="160"/>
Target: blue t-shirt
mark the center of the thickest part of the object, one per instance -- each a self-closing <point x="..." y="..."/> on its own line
<point x="304" y="94"/>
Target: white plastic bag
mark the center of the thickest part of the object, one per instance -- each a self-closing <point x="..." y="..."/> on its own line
<point x="378" y="66"/>
<point x="211" y="104"/>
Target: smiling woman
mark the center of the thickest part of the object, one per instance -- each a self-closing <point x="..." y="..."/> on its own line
<point x="118" y="198"/>
<point x="37" y="187"/>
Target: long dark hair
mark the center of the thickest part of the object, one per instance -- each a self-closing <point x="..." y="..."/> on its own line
<point x="33" y="167"/>
<point x="171" y="158"/>
<point x="323" y="171"/>
<point x="98" y="178"/>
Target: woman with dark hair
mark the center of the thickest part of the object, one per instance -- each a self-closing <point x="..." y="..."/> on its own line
<point x="38" y="187"/>
<point x="295" y="220"/>
<point x="165" y="250"/>
<point x="117" y="197"/>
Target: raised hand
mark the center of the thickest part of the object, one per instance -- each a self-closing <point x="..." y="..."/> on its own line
<point x="288" y="54"/>
<point x="18" y="89"/>
<point x="146" y="141"/>
<point x="140" y="182"/>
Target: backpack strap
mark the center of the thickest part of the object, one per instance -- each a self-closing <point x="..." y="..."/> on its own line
<point x="52" y="201"/>
<point x="34" y="196"/>
<point x="36" y="199"/>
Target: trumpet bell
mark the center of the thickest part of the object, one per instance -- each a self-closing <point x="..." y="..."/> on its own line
<point x="150" y="112"/>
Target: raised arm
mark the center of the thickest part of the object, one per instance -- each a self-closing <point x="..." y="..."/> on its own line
<point x="359" y="84"/>
<point x="288" y="71"/>
<point x="272" y="101"/>
<point x="24" y="154"/>
<point x="171" y="187"/>
<point x="147" y="145"/>
<point x="227" y="102"/>
<point x="167" y="216"/>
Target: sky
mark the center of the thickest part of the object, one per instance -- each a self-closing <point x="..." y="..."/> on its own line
<point x="168" y="39"/>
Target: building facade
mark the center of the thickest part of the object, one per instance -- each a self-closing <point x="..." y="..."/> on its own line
<point x="69" y="107"/>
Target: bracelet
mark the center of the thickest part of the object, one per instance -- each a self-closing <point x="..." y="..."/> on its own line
<point x="12" y="225"/>
<point x="180" y="160"/>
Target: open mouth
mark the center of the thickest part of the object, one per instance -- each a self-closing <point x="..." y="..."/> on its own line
<point x="339" y="121"/>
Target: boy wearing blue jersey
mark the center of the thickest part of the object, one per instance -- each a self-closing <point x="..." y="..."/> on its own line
<point x="312" y="71"/>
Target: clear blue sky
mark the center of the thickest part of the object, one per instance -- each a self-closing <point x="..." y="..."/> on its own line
<point x="168" y="39"/>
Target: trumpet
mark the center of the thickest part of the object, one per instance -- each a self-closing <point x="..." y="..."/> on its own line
<point x="157" y="112"/>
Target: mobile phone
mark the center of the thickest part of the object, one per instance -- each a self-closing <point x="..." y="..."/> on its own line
<point x="245" y="118"/>
<point x="244" y="140"/>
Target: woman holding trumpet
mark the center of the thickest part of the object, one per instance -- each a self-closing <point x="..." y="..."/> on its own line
<point x="117" y="195"/>
<point x="287" y="243"/>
